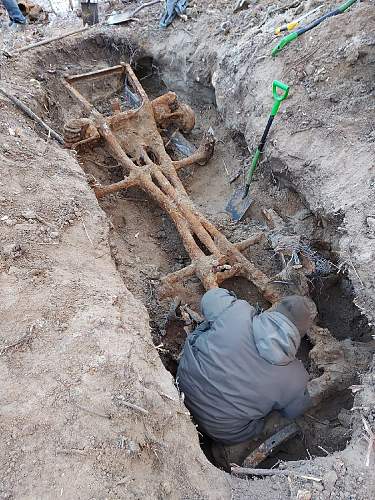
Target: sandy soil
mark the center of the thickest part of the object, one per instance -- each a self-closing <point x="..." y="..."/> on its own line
<point x="75" y="348"/>
<point x="76" y="345"/>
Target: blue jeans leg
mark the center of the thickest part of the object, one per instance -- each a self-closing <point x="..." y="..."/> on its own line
<point x="14" y="12"/>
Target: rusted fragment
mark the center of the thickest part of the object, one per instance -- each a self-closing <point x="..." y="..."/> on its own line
<point x="202" y="156"/>
<point x="169" y="111"/>
<point x="269" y="445"/>
<point x="78" y="132"/>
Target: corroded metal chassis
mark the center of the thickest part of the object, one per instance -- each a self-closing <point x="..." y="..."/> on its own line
<point x="133" y="138"/>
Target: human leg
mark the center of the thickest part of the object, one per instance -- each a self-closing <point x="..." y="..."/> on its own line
<point x="14" y="12"/>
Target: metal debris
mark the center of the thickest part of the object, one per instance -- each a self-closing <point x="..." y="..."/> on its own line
<point x="134" y="140"/>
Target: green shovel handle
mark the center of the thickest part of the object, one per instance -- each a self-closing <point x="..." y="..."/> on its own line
<point x="277" y="97"/>
<point x="284" y="41"/>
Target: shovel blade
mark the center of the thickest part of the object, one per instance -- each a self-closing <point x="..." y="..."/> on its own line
<point x="120" y="18"/>
<point x="237" y="207"/>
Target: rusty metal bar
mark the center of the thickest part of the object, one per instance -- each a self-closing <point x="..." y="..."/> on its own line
<point x="96" y="74"/>
<point x="269" y="445"/>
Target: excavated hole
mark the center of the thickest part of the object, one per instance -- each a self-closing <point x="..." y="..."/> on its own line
<point x="145" y="244"/>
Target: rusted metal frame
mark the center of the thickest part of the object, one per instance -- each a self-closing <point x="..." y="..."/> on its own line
<point x="195" y="159"/>
<point x="181" y="224"/>
<point x="84" y="142"/>
<point x="256" y="276"/>
<point x="74" y="92"/>
<point x="221" y="276"/>
<point x="68" y="82"/>
<point x="179" y="207"/>
<point x="142" y="178"/>
<point x="114" y="146"/>
<point x="178" y="276"/>
<point x="126" y="183"/>
<point x="96" y="74"/>
<point x="135" y="82"/>
<point x="253" y="240"/>
<point x="118" y="152"/>
<point x="188" y="210"/>
<point x="248" y="269"/>
<point x="193" y="221"/>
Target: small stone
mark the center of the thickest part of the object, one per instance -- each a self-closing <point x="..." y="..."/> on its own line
<point x="334" y="99"/>
<point x="318" y="486"/>
<point x="12" y="250"/>
<point x="329" y="480"/>
<point x="36" y="272"/>
<point x="54" y="234"/>
<point x="4" y="218"/>
<point x="303" y="495"/>
<point x="166" y="488"/>
<point x="132" y="447"/>
<point x="310" y="69"/>
<point x="29" y="214"/>
<point x="13" y="270"/>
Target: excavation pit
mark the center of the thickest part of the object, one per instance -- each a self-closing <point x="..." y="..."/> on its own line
<point x="146" y="246"/>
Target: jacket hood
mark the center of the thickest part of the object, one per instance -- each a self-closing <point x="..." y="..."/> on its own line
<point x="276" y="338"/>
<point x="215" y="302"/>
<point x="301" y="311"/>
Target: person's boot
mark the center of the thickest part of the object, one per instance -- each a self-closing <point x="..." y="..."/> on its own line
<point x="220" y="456"/>
<point x="225" y="455"/>
<point x="14" y="26"/>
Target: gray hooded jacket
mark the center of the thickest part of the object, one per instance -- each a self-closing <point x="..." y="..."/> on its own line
<point x="238" y="366"/>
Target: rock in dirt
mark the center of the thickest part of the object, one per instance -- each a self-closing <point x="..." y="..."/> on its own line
<point x="329" y="480"/>
<point x="29" y="214"/>
<point x="303" y="495"/>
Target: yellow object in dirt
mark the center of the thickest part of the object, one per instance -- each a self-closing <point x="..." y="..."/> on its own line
<point x="286" y="27"/>
<point x="292" y="25"/>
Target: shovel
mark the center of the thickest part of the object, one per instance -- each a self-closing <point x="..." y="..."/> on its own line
<point x="124" y="17"/>
<point x="90" y="14"/>
<point x="239" y="203"/>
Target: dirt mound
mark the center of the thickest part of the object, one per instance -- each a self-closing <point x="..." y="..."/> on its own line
<point x="87" y="409"/>
<point x="84" y="385"/>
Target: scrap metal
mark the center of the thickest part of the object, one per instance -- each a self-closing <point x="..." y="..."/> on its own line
<point x="133" y="139"/>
